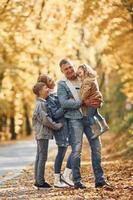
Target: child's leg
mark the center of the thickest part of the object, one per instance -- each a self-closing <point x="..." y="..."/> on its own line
<point x="36" y="162"/>
<point x="91" y="114"/>
<point x="98" y="115"/>
<point x="93" y="122"/>
<point x="41" y="158"/>
<point x="69" y="161"/>
<point x="59" y="159"/>
<point x="102" y="121"/>
<point x="57" y="167"/>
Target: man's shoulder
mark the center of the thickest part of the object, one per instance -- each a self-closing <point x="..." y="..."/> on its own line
<point x="61" y="82"/>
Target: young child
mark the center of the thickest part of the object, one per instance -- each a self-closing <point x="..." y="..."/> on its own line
<point x="43" y="126"/>
<point x="90" y="90"/>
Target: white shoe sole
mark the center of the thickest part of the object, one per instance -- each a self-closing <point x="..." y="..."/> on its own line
<point x="40" y="188"/>
<point x="55" y="186"/>
<point x="63" y="180"/>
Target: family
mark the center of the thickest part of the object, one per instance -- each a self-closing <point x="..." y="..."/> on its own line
<point x="68" y="114"/>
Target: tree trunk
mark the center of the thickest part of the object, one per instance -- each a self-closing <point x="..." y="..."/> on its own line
<point x="12" y="128"/>
<point x="27" y="124"/>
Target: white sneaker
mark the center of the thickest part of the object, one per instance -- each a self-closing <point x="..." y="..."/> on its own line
<point x="58" y="183"/>
<point x="67" y="177"/>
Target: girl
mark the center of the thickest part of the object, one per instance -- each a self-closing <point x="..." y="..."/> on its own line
<point x="90" y="90"/>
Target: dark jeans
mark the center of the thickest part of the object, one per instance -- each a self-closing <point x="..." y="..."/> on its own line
<point x="59" y="159"/>
<point x="41" y="158"/>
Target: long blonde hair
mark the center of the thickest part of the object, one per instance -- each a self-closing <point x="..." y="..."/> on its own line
<point x="88" y="71"/>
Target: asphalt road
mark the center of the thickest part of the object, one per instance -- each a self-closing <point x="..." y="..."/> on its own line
<point x="15" y="157"/>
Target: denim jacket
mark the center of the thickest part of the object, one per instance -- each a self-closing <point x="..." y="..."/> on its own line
<point x="57" y="114"/>
<point x="68" y="103"/>
<point x="42" y="123"/>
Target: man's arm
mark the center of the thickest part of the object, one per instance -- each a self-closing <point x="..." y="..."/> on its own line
<point x="65" y="101"/>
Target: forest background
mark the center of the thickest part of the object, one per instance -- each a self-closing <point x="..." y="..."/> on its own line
<point x="36" y="34"/>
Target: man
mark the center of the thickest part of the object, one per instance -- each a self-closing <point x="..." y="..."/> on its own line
<point x="68" y="93"/>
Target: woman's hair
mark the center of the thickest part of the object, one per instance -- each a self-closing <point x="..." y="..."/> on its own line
<point x="43" y="78"/>
<point x="88" y="71"/>
<point x="38" y="87"/>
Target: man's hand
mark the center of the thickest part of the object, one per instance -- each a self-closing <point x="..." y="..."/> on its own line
<point x="96" y="103"/>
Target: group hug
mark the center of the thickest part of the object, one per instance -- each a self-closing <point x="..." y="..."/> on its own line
<point x="66" y="114"/>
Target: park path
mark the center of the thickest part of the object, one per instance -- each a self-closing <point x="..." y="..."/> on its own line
<point x="118" y="171"/>
<point x="15" y="157"/>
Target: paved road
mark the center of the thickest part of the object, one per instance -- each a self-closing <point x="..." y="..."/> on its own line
<point x="15" y="157"/>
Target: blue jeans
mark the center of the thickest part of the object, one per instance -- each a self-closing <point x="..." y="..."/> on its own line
<point x="59" y="159"/>
<point x="93" y="112"/>
<point x="75" y="139"/>
<point x="95" y="152"/>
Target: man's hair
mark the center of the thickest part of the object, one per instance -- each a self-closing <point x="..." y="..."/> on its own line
<point x="43" y="78"/>
<point x="63" y="62"/>
<point x="38" y="87"/>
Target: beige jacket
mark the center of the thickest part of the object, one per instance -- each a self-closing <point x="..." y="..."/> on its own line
<point x="90" y="89"/>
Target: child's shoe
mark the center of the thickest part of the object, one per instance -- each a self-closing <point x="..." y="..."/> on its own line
<point x="42" y="186"/>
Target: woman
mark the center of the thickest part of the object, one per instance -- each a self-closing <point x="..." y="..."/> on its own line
<point x="62" y="136"/>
